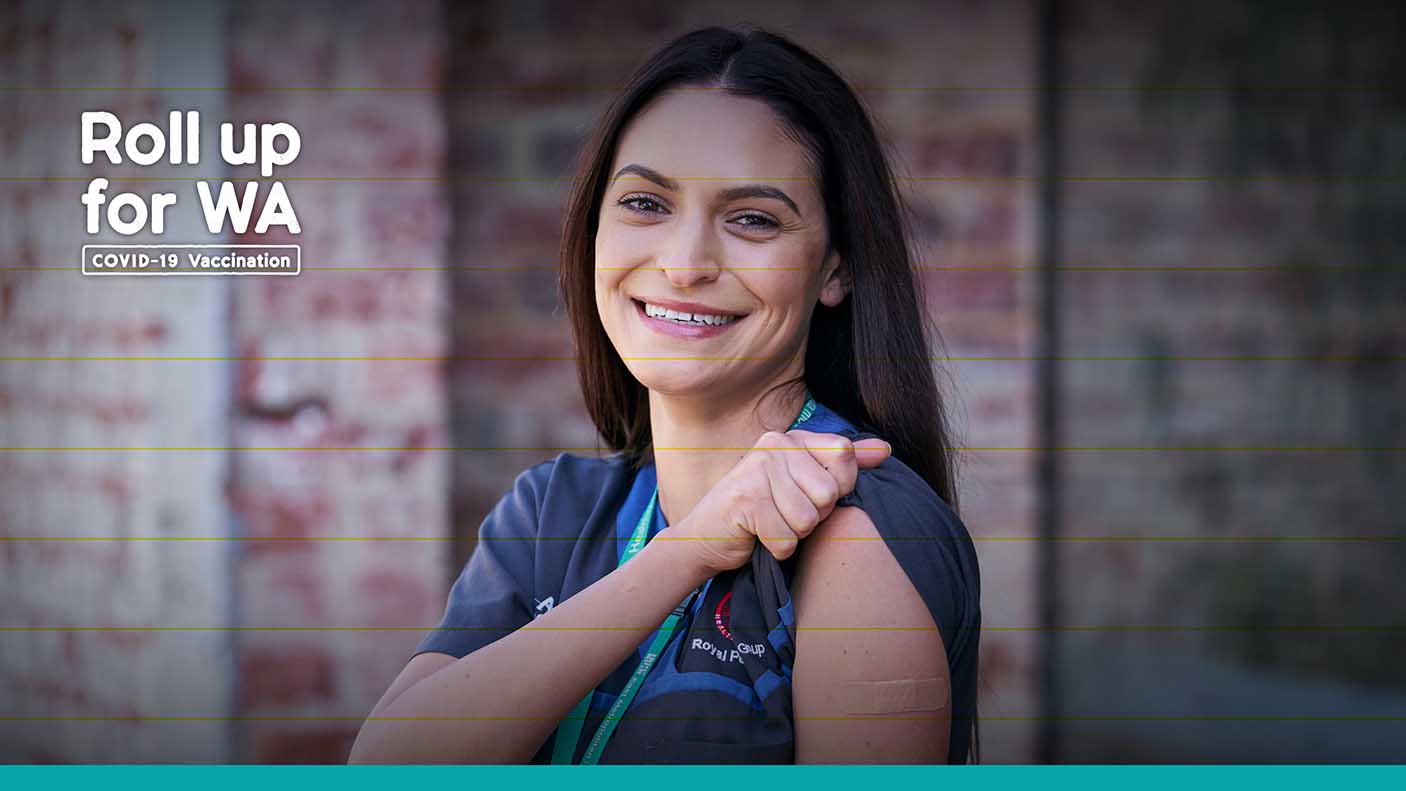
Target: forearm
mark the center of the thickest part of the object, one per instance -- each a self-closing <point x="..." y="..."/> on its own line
<point x="500" y="703"/>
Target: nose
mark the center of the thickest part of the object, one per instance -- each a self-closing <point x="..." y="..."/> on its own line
<point x="690" y="256"/>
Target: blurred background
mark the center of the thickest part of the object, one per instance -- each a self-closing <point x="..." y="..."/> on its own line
<point x="1163" y="243"/>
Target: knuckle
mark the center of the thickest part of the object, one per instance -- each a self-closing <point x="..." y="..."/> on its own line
<point x="739" y="499"/>
<point x="851" y="477"/>
<point x="756" y="464"/>
<point x="748" y="498"/>
<point x="744" y="521"/>
<point x="740" y="520"/>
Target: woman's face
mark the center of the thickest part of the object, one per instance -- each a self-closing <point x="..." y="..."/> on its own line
<point x="711" y="209"/>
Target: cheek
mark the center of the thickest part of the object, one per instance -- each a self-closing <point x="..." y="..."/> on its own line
<point x="602" y="244"/>
<point x="612" y="258"/>
<point x="795" y="311"/>
<point x="623" y="249"/>
<point x="608" y="272"/>
<point x="607" y="296"/>
<point x="787" y="293"/>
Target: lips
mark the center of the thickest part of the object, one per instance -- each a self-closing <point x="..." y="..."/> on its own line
<point x="687" y="307"/>
<point x="677" y="329"/>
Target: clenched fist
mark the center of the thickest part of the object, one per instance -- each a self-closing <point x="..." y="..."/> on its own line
<point x="784" y="487"/>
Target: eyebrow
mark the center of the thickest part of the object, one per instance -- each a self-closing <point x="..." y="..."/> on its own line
<point x="733" y="193"/>
<point x="760" y="191"/>
<point x="649" y="174"/>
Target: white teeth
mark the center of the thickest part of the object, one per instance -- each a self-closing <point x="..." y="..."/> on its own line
<point x="686" y="318"/>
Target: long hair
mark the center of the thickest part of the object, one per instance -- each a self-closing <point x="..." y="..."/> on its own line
<point x="868" y="358"/>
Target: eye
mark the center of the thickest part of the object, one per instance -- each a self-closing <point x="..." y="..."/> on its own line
<point x="755" y="222"/>
<point x="641" y="203"/>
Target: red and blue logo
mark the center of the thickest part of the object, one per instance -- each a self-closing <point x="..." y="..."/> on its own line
<point x="722" y="615"/>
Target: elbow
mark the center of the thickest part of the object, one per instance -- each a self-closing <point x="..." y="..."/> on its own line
<point x="392" y="743"/>
<point x="383" y="743"/>
<point x="369" y="747"/>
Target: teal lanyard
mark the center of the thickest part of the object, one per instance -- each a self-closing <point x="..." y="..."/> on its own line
<point x="569" y="732"/>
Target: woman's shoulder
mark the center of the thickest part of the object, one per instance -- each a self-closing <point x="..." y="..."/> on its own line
<point x="893" y="485"/>
<point x="567" y="488"/>
<point x="570" y="471"/>
<point x="904" y="507"/>
<point x="892" y="489"/>
<point x="929" y="538"/>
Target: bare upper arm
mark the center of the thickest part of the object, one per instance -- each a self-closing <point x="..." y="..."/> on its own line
<point x="420" y="667"/>
<point x="859" y="619"/>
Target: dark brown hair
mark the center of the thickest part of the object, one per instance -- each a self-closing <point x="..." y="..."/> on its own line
<point x="867" y="358"/>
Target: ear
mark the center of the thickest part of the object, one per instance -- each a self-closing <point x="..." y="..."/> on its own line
<point x="834" y="280"/>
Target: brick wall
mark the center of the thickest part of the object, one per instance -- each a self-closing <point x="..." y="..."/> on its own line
<point x="97" y="530"/>
<point x="343" y="567"/>
<point x="329" y="562"/>
<point x="1264" y="565"/>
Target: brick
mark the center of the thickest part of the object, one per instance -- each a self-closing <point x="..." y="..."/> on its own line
<point x="320" y="746"/>
<point x="970" y="152"/>
<point x="381" y="403"/>
<point x="284" y="677"/>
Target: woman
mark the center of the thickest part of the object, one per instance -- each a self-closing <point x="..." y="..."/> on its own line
<point x="751" y="575"/>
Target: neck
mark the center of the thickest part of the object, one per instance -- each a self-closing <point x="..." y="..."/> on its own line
<point x="697" y="422"/>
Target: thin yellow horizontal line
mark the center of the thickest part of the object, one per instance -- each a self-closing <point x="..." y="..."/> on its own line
<point x="391" y="628"/>
<point x="1207" y="539"/>
<point x="985" y="718"/>
<point x="437" y="628"/>
<point x="565" y="358"/>
<point x="1072" y="539"/>
<point x="519" y="179"/>
<point x="1113" y="449"/>
<point x="531" y="89"/>
<point x="954" y="268"/>
<point x="430" y="628"/>
<point x="355" y="718"/>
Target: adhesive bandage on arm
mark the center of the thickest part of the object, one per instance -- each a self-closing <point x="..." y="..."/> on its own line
<point x="891" y="697"/>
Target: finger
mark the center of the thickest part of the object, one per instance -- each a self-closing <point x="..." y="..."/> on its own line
<point x="773" y="531"/>
<point x="836" y="454"/>
<point x="871" y="452"/>
<point x="791" y="501"/>
<point x="825" y="448"/>
<point x="815" y="481"/>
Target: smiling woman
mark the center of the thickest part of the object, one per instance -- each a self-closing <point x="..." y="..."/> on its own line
<point x="752" y="576"/>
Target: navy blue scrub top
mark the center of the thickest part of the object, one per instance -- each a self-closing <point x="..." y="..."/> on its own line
<point x="721" y="691"/>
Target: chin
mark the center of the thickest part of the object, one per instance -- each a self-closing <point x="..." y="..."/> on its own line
<point x="658" y="378"/>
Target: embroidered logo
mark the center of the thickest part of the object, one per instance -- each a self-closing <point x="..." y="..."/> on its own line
<point x="722" y="615"/>
<point x="707" y="653"/>
<point x="544" y="606"/>
<point x="722" y="654"/>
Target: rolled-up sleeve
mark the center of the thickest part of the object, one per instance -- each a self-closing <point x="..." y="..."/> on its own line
<point x="492" y="596"/>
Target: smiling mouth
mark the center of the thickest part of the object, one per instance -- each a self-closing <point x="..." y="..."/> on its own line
<point x="685" y="319"/>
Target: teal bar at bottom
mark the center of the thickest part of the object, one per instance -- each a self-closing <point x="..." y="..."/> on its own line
<point x="713" y="778"/>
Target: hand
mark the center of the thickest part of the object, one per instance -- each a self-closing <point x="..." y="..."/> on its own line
<point x="779" y="492"/>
